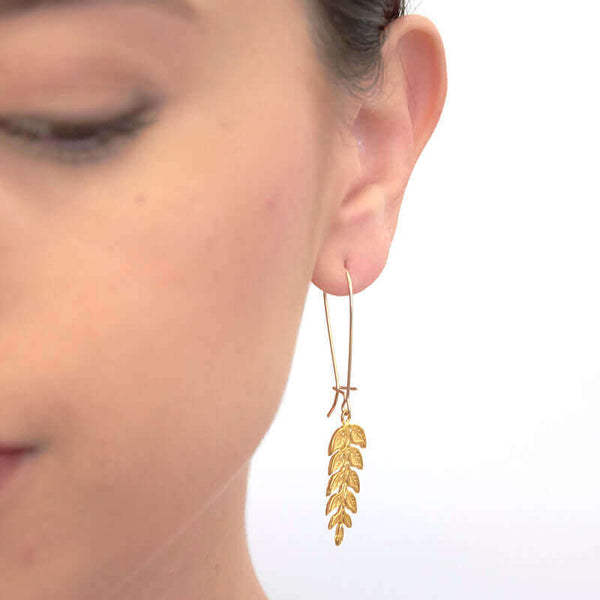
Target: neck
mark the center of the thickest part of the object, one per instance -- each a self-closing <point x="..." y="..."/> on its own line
<point x="207" y="559"/>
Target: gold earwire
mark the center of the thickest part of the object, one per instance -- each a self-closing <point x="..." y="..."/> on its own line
<point x="343" y="454"/>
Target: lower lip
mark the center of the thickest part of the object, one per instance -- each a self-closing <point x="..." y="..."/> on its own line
<point x="9" y="463"/>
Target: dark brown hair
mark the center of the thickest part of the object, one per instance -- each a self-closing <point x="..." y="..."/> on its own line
<point x="349" y="35"/>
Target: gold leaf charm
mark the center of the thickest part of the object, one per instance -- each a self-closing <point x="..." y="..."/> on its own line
<point x="344" y="456"/>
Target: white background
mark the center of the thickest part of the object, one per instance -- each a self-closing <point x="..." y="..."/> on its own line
<point x="476" y="352"/>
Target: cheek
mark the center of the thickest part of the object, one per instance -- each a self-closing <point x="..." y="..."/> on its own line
<point x="196" y="315"/>
<point x="200" y="344"/>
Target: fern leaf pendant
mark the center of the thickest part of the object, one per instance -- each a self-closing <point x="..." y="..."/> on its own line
<point x="344" y="456"/>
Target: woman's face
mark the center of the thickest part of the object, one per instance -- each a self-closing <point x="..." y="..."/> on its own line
<point x="150" y="296"/>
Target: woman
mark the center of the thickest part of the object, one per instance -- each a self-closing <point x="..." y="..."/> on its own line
<point x="173" y="175"/>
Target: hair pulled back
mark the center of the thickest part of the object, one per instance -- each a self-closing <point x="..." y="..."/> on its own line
<point x="349" y="35"/>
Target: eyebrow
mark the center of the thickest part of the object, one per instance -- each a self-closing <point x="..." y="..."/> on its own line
<point x="181" y="8"/>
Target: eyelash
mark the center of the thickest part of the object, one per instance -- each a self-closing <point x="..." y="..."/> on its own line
<point x="97" y="137"/>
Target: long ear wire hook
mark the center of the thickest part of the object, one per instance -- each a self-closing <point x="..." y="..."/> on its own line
<point x="342" y="450"/>
<point x="344" y="390"/>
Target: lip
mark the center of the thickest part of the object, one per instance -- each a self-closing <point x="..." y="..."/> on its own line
<point x="11" y="458"/>
<point x="8" y="449"/>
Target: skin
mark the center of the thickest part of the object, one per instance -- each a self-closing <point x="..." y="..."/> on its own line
<point x="150" y="301"/>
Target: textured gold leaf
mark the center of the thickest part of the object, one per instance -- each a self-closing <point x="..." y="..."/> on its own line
<point x="334" y="502"/>
<point x="337" y="460"/>
<point x="344" y="456"/>
<point x="336" y="519"/>
<point x="354" y="457"/>
<point x="357" y="436"/>
<point x="335" y="481"/>
<point x="350" y="501"/>
<point x="352" y="480"/>
<point x="339" y="439"/>
<point x="339" y="534"/>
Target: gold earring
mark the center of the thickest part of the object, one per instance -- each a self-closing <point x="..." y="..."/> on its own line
<point x="344" y="456"/>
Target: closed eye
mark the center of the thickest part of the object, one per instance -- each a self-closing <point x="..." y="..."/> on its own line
<point x="76" y="142"/>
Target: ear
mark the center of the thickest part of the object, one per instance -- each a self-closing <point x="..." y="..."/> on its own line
<point x="388" y="133"/>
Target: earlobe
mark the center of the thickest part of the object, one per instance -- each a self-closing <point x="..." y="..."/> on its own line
<point x="388" y="132"/>
<point x="359" y="240"/>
